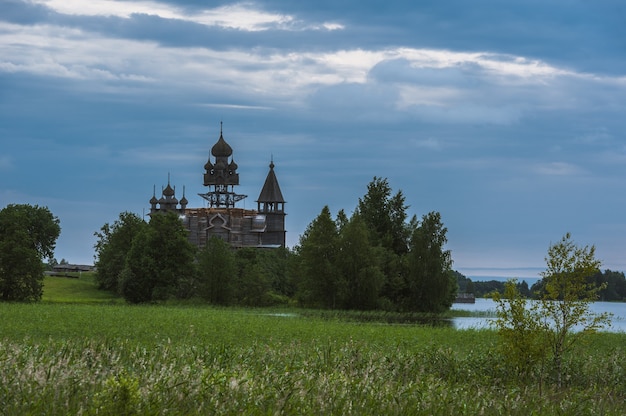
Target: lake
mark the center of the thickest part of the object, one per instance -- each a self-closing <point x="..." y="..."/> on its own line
<point x="488" y="307"/>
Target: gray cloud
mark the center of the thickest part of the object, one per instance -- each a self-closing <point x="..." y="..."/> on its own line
<point x="506" y="119"/>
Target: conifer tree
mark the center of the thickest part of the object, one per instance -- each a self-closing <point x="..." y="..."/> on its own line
<point x="321" y="282"/>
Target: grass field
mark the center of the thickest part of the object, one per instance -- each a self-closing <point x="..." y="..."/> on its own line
<point x="78" y="354"/>
<point x="80" y="288"/>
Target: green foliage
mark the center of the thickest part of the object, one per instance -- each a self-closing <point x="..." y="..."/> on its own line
<point x="558" y="321"/>
<point x="120" y="396"/>
<point x="488" y="288"/>
<point x="155" y="261"/>
<point x="216" y="272"/>
<point x="430" y="284"/>
<point x="278" y="264"/>
<point x="28" y="234"/>
<point x="612" y="285"/>
<point x="376" y="259"/>
<point x="520" y="326"/>
<point x="160" y="259"/>
<point x="263" y="277"/>
<point x="113" y="245"/>
<point x="567" y="295"/>
<point x="373" y="260"/>
<point x="321" y="283"/>
<point x="251" y="283"/>
<point x="385" y="215"/>
<point x="359" y="261"/>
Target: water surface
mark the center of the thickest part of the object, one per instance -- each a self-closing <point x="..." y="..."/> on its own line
<point x="488" y="308"/>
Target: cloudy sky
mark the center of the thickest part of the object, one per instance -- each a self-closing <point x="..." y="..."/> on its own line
<point x="509" y="118"/>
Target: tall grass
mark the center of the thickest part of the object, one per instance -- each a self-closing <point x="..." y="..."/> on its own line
<point x="117" y="359"/>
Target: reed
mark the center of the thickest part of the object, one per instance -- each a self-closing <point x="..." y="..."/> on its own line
<point x="59" y="358"/>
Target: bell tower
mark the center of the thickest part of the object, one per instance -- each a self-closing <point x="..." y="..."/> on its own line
<point x="271" y="204"/>
<point x="221" y="176"/>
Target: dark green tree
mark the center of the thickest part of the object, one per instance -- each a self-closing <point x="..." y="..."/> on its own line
<point x="385" y="216"/>
<point x="523" y="289"/>
<point x="359" y="263"/>
<point x="28" y="235"/>
<point x="321" y="283"/>
<point x="263" y="277"/>
<point x="160" y="260"/>
<point x="277" y="262"/>
<point x="470" y="287"/>
<point x="113" y="245"/>
<point x="253" y="285"/>
<point x="217" y="271"/>
<point x="613" y="284"/>
<point x="430" y="283"/>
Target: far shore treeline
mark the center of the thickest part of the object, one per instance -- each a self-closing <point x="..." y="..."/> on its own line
<point x="612" y="286"/>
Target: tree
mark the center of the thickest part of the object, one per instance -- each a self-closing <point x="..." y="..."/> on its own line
<point x="263" y="276"/>
<point x="216" y="272"/>
<point x="113" y="245"/>
<point x="359" y="263"/>
<point x="28" y="235"/>
<point x="524" y="337"/>
<point x="385" y="216"/>
<point x="276" y="263"/>
<point x="321" y="282"/>
<point x="159" y="261"/>
<point x="430" y="283"/>
<point x="561" y="317"/>
<point x="524" y="289"/>
<point x="567" y="295"/>
<point x="614" y="284"/>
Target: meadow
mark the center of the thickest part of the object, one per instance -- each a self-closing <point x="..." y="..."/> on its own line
<point x="99" y="356"/>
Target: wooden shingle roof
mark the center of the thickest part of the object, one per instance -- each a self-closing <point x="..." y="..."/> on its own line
<point x="271" y="190"/>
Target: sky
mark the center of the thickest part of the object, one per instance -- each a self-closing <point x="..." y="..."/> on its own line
<point x="508" y="118"/>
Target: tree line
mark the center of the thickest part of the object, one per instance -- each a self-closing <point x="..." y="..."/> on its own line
<point x="611" y="284"/>
<point x="374" y="259"/>
<point x="154" y="261"/>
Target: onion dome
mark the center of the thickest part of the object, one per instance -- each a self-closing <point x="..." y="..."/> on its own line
<point x="221" y="148"/>
<point x="183" y="200"/>
<point x="208" y="165"/>
<point x="233" y="165"/>
<point x="153" y="200"/>
<point x="168" y="191"/>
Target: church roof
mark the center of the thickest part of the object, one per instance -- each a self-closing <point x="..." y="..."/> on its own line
<point x="271" y="190"/>
<point x="168" y="191"/>
<point x="221" y="148"/>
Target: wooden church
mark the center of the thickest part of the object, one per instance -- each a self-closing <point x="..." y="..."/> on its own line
<point x="263" y="227"/>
